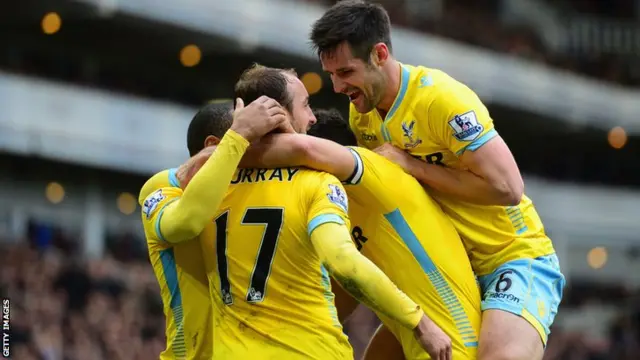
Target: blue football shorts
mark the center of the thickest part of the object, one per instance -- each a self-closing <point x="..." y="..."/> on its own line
<point x="530" y="288"/>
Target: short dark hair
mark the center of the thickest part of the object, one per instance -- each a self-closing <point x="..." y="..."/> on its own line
<point x="259" y="80"/>
<point x="332" y="126"/>
<point x="215" y="119"/>
<point x="360" y="24"/>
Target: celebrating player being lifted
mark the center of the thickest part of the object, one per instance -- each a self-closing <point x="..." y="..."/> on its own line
<point x="439" y="131"/>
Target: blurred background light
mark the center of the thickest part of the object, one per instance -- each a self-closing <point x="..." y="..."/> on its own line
<point x="51" y="23"/>
<point x="312" y="82"/>
<point x="127" y="203"/>
<point x="54" y="192"/>
<point x="617" y="137"/>
<point x="190" y="55"/>
<point x="597" y="257"/>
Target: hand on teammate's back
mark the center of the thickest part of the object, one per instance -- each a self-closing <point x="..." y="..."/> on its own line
<point x="433" y="340"/>
<point x="259" y="118"/>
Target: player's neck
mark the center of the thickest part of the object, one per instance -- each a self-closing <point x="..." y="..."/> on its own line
<point x="392" y="69"/>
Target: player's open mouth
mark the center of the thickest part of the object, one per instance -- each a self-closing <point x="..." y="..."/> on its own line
<point x="354" y="96"/>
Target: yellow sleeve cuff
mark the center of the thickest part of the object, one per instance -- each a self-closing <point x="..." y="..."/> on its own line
<point x="236" y="139"/>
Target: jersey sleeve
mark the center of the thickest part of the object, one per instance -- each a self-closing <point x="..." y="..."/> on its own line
<point x="186" y="218"/>
<point x="360" y="277"/>
<point x="371" y="178"/>
<point x="153" y="207"/>
<point x="165" y="178"/>
<point x="459" y="120"/>
<point x="328" y="204"/>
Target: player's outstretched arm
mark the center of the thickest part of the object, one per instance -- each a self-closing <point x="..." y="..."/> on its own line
<point x="369" y="285"/>
<point x="259" y="118"/>
<point x="279" y="150"/>
<point x="186" y="217"/>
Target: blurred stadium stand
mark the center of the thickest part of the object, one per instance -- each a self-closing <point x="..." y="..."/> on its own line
<point x="96" y="95"/>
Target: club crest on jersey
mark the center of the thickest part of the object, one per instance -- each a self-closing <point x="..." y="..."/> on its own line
<point x="151" y="203"/>
<point x="466" y="126"/>
<point x="407" y="130"/>
<point x="337" y="196"/>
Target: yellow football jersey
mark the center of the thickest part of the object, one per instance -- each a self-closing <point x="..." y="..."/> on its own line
<point x="406" y="234"/>
<point x="436" y="118"/>
<point x="181" y="275"/>
<point x="272" y="296"/>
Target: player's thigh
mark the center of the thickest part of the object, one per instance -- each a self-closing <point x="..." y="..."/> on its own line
<point x="520" y="301"/>
<point x="505" y="336"/>
<point x="345" y="303"/>
<point x="383" y="346"/>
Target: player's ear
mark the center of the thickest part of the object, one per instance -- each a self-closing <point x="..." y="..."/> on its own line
<point x="379" y="54"/>
<point x="211" y="140"/>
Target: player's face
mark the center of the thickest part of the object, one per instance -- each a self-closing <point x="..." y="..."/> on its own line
<point x="302" y="117"/>
<point x="362" y="82"/>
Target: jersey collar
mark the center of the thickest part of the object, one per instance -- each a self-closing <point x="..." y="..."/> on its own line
<point x="404" y="84"/>
<point x="405" y="75"/>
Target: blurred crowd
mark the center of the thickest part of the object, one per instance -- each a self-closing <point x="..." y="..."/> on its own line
<point x="477" y="22"/>
<point x="623" y="344"/>
<point x="67" y="307"/>
<point x="607" y="8"/>
<point x="64" y="307"/>
<point x="597" y="322"/>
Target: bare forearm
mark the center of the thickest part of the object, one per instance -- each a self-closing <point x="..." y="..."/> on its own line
<point x="281" y="150"/>
<point x="272" y="151"/>
<point x="461" y="184"/>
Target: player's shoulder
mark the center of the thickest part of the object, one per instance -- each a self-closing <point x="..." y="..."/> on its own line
<point x="429" y="83"/>
<point x="442" y="85"/>
<point x="322" y="187"/>
<point x="428" y="77"/>
<point x="438" y="94"/>
<point x="311" y="183"/>
<point x="163" y="179"/>
<point x="309" y="177"/>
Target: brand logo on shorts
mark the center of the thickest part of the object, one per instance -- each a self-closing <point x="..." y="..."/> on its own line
<point x="503" y="296"/>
